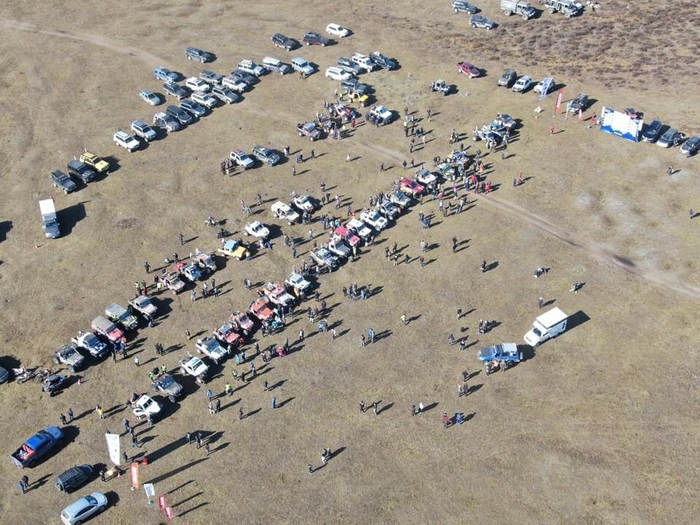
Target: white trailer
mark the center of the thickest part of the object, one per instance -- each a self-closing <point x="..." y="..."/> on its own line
<point x="52" y="229"/>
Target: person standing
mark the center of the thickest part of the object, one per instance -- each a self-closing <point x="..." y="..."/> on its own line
<point x="100" y="412"/>
<point x="63" y="419"/>
<point x="404" y="319"/>
<point x="375" y="407"/>
<point x="540" y="302"/>
<point x="445" y="420"/>
<point x="274" y="402"/>
<point x="70" y="415"/>
<point x="362" y="406"/>
<point x="182" y="239"/>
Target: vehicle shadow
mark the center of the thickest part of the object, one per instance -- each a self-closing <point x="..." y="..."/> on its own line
<point x="70" y="216"/>
<point x="5" y="227"/>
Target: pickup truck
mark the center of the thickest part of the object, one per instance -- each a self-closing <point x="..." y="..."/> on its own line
<point x="144" y="306"/>
<point x="118" y="314"/>
<point x="37" y="446"/>
<point x="211" y="348"/>
<point x="188" y="270"/>
<point x="310" y="130"/>
<point x="89" y="342"/>
<point x="278" y="295"/>
<point x="206" y="262"/>
<point x="107" y="328"/>
<point x="194" y="367"/>
<point x="173" y="282"/>
<point x="282" y="211"/>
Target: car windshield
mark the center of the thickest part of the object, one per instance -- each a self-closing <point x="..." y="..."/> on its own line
<point x="536" y="332"/>
<point x="90" y="500"/>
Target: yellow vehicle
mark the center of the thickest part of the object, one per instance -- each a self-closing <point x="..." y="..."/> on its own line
<point x="234" y="248"/>
<point x="362" y="100"/>
<point x="100" y="165"/>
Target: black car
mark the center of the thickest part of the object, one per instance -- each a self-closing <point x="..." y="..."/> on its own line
<point x="508" y="78"/>
<point x="245" y="77"/>
<point x="352" y="84"/>
<point x="652" y="131"/>
<point x="210" y="77"/>
<point x="62" y="181"/>
<point x="315" y="39"/>
<point x="383" y="61"/>
<point x="578" y="104"/>
<point x="463" y="7"/>
<point x="194" y="108"/>
<point x="80" y="171"/>
<point x="175" y="90"/>
<point x="194" y="53"/>
<point x="179" y="114"/>
<point x="279" y="40"/>
<point x="74" y="477"/>
<point x="348" y="65"/>
<point x="53" y="383"/>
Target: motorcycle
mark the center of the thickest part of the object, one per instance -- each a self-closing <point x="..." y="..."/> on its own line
<point x="211" y="221"/>
<point x="22" y="375"/>
<point x="222" y="233"/>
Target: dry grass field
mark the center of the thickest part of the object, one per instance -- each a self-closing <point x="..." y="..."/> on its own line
<point x="598" y="426"/>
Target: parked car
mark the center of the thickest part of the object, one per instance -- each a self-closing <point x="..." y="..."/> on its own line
<point x="507" y="352"/>
<point x="261" y="310"/>
<point x="206" y="262"/>
<point x="279" y="40"/>
<point x="337" y="30"/>
<point x="235" y="84"/>
<point x="188" y="270"/>
<point x="388" y="209"/>
<point x="468" y="69"/>
<point x="62" y="181"/>
<point x="383" y="61"/>
<point x="173" y="282"/>
<point x="94" y="161"/>
<point x="523" y="84"/>
<point x="143" y="130"/>
<point x="374" y="219"/>
<point x="53" y="384"/>
<point x="241" y="323"/>
<point x="210" y="77"/>
<point x="672" y="137"/>
<point x="234" y="248"/>
<point x="163" y="73"/>
<point x="359" y="228"/>
<point x="266" y="155"/>
<point x="411" y="187"/>
<point x="384" y="115"/>
<point x="193" y="107"/>
<point x="508" y="78"/>
<point x="315" y="39"/>
<point x="275" y="65"/>
<point x="303" y="203"/>
<point x="364" y="61"/>
<point x="578" y="104"/>
<point x="91" y="343"/>
<point x="167" y="385"/>
<point x="481" y="22"/>
<point x="337" y="73"/>
<point x="118" y="314"/>
<point x="124" y="140"/>
<point x="194" y="53"/>
<point x="74" y="478"/>
<point x="298" y="282"/>
<point x="68" y="355"/>
<point x="463" y="7"/>
<point x="426" y="177"/>
<point x="241" y="158"/>
<point x="301" y="65"/>
<point x="325" y="258"/>
<point x="399" y="198"/>
<point x="347" y="235"/>
<point x="545" y="86"/>
<point x="228" y="336"/>
<point x="246" y="77"/>
<point x="106" y="328"/>
<point x="353" y="85"/>
<point x="145" y="406"/>
<point x="211" y="348"/>
<point x="83" y="509"/>
<point x="196" y="84"/>
<point x="81" y="171"/>
<point x="250" y="67"/>
<point x="175" y="90"/>
<point x="166" y="122"/>
<point x="149" y="97"/>
<point x="348" y="65"/>
<point x="204" y="99"/>
<point x="277" y="294"/>
<point x="225" y="95"/>
<point x="652" y="131"/>
<point x="256" y="229"/>
<point x="284" y="212"/>
<point x="691" y="146"/>
<point x="310" y="130"/>
<point x="179" y="114"/>
<point x="339" y="248"/>
<point x="144" y="306"/>
<point x="37" y="447"/>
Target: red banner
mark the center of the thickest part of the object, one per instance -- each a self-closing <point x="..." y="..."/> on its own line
<point x="559" y="99"/>
<point x="161" y="503"/>
<point x="134" y="470"/>
<point x="169" y="512"/>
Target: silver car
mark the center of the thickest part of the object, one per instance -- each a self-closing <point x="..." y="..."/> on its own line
<point x="84" y="508"/>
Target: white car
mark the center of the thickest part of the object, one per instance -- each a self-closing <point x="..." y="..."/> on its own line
<point x="257" y="229"/>
<point x="123" y="139"/>
<point x="145" y="406"/>
<point x="241" y="158"/>
<point x="194" y="367"/>
<point x="360" y="228"/>
<point x="298" y="282"/>
<point x="211" y="348"/>
<point x="143" y="130"/>
<point x="523" y="84"/>
<point x="364" y="61"/>
<point x="547" y="84"/>
<point x="303" y="203"/>
<point x="336" y="73"/>
<point x="197" y="84"/>
<point x="235" y="84"/>
<point x="382" y="113"/>
<point x="337" y="30"/>
<point x="374" y="219"/>
<point x="284" y="212"/>
<point x="205" y="99"/>
<point x="225" y="95"/>
<point x="251" y="67"/>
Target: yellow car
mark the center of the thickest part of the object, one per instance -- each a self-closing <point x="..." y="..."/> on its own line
<point x="234" y="248"/>
<point x="100" y="165"/>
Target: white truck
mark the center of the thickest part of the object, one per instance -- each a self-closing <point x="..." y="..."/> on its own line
<point x="52" y="229"/>
<point x="518" y="7"/>
<point x="547" y="326"/>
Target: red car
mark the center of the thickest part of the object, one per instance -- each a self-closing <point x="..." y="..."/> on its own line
<point x="261" y="310"/>
<point x="241" y="322"/>
<point x="468" y="69"/>
<point x="411" y="187"/>
<point x="343" y="233"/>
<point x="226" y="335"/>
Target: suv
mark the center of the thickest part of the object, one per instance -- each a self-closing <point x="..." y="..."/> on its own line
<point x="210" y="77"/>
<point x="62" y="181"/>
<point x="671" y="138"/>
<point x="68" y="355"/>
<point x="273" y="64"/>
<point x="279" y="40"/>
<point x="193" y="107"/>
<point x="166" y="122"/>
<point x="225" y="95"/>
<point x="350" y="66"/>
<point x="80" y="170"/>
<point x="241" y="158"/>
<point x="123" y="139"/>
<point x="301" y="65"/>
<point x="175" y="90"/>
<point x="691" y="146"/>
<point x="205" y="99"/>
<point x="652" y="131"/>
<point x="463" y="7"/>
<point x="364" y="62"/>
<point x="507" y="78"/>
<point x="383" y="61"/>
<point x="315" y="39"/>
<point x="179" y="114"/>
<point x="577" y="104"/>
<point x="143" y="130"/>
<point x="266" y="155"/>
<point x="523" y="84"/>
<point x="94" y="161"/>
<point x="251" y="67"/>
<point x="310" y="130"/>
<point x="74" y="477"/>
<point x="194" y="53"/>
<point x="481" y="22"/>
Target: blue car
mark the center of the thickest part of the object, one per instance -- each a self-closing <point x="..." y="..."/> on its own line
<point x="507" y="352"/>
<point x="163" y="73"/>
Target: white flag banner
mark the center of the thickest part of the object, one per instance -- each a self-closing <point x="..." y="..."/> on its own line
<point x="150" y="490"/>
<point x="113" y="448"/>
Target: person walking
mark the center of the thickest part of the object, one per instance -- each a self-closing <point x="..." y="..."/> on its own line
<point x="206" y="448"/>
<point x="421" y="407"/>
<point x="100" y="412"/>
<point x="228" y="390"/>
<point x="70" y="415"/>
<point x="404" y="319"/>
<point x="22" y="486"/>
<point x="454" y="244"/>
<point x="311" y="468"/>
<point x="362" y="339"/>
<point x="370" y="335"/>
<point x="188" y="438"/>
<point x="210" y="394"/>
<point x="136" y="361"/>
<point x="182" y="239"/>
<point x="445" y="420"/>
<point x="362" y="406"/>
<point x="540" y="302"/>
<point x="334" y="334"/>
<point x="348" y="158"/>
<point x="63" y="419"/>
<point x="375" y="407"/>
<point x="147" y="267"/>
<point x="241" y="414"/>
<point x="198" y="439"/>
<point x="217" y="405"/>
<point x="670" y="171"/>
